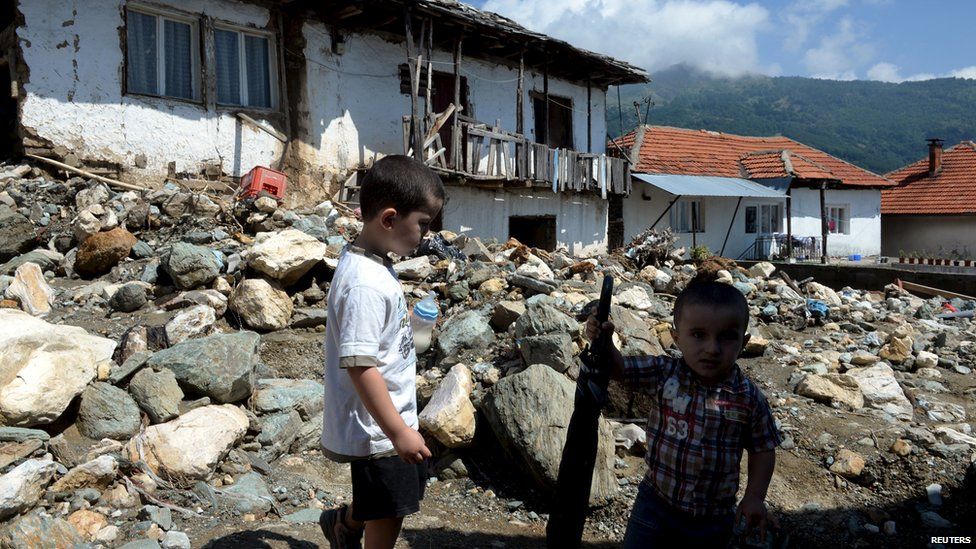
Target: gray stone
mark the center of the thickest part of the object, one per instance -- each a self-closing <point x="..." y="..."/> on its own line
<point x="468" y="330"/>
<point x="157" y="393"/>
<point x="308" y="317"/>
<point x="553" y="350"/>
<point x="176" y="540"/>
<point x="17" y="234"/>
<point x="107" y="412"/>
<point x="131" y="365"/>
<point x="506" y="313"/>
<point x="45" y="259"/>
<point x="161" y="516"/>
<point x="190" y="266"/>
<point x="249" y="494"/>
<point x="220" y="366"/>
<point x="130" y="297"/>
<point x="274" y="395"/>
<point x="309" y="436"/>
<point x="22" y="487"/>
<point x="278" y="431"/>
<point x="417" y="268"/>
<point x="141" y="250"/>
<point x="304" y="516"/>
<point x="20" y="434"/>
<point x="540" y="318"/>
<point x="529" y="413"/>
<point x="531" y="284"/>
<point x="142" y="544"/>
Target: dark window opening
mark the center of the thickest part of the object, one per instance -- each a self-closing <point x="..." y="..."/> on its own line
<point x="615" y="221"/>
<point x="536" y="231"/>
<point x="442" y="95"/>
<point x="560" y="133"/>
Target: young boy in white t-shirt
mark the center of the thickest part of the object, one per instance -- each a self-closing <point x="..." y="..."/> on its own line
<point x="370" y="417"/>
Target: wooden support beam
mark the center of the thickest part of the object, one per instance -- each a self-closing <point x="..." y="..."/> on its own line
<point x="731" y="224"/>
<point x="415" y="131"/>
<point x="823" y="223"/>
<point x="589" y="116"/>
<point x="789" y="223"/>
<point x="545" y="101"/>
<point x="520" y="97"/>
<point x="928" y="290"/>
<point x="456" y="124"/>
<point x="270" y="131"/>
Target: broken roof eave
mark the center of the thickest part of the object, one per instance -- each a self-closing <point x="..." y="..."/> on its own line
<point x="708" y="186"/>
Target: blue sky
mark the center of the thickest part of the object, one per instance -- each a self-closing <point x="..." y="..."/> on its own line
<point x="890" y="40"/>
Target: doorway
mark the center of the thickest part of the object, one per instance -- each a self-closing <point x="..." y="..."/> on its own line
<point x="536" y="231"/>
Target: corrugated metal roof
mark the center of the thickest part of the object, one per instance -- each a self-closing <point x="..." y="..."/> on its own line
<point x="706" y="185"/>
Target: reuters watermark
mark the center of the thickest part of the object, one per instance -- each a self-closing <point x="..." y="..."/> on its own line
<point x="951" y="539"/>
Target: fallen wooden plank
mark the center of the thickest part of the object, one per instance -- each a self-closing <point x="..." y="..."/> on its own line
<point x="270" y="131"/>
<point x="928" y="290"/>
<point x="109" y="181"/>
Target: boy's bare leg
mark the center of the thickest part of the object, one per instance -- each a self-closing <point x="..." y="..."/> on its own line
<point x="382" y="533"/>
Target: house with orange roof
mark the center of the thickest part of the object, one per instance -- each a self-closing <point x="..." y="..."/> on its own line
<point x="749" y="197"/>
<point x="931" y="212"/>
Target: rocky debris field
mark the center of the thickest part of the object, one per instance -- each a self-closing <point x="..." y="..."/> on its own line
<point x="160" y="380"/>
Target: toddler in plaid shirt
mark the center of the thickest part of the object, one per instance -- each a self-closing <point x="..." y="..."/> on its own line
<point x="704" y="412"/>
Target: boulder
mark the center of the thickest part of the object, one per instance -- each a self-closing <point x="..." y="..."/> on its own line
<point x="897" y="350"/>
<point x="37" y="530"/>
<point x="45" y="259"/>
<point x="190" y="446"/>
<point x="97" y="473"/>
<point x="96" y="194"/>
<point x="417" y="268"/>
<point x="261" y="305"/>
<point x="285" y="256"/>
<point x="220" y="366"/>
<point x="130" y="297"/>
<point x="278" y="431"/>
<point x="823" y="293"/>
<point x="85" y="225"/>
<point x="191" y="266"/>
<point x="249" y="495"/>
<point x="926" y="359"/>
<point x="540" y="318"/>
<point x="635" y="297"/>
<point x="882" y="391"/>
<point x="43" y="367"/>
<point x="632" y="438"/>
<point x="87" y="522"/>
<point x="847" y="464"/>
<point x="864" y="358"/>
<point x="832" y="389"/>
<point x="763" y="269"/>
<point x="468" y="330"/>
<point x="475" y="249"/>
<point x="17" y="234"/>
<point x="305" y="396"/>
<point x="535" y="268"/>
<point x="553" y="350"/>
<point x="195" y="321"/>
<point x="506" y="313"/>
<point x="449" y="415"/>
<point x="11" y="452"/>
<point x="102" y="251"/>
<point x="157" y="393"/>
<point x="31" y="290"/>
<point x="107" y="412"/>
<point x="529" y="413"/>
<point x="22" y="487"/>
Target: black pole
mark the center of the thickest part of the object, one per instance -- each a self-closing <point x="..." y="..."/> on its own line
<point x="731" y="224"/>
<point x="666" y="210"/>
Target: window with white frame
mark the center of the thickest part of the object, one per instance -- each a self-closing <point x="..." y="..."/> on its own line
<point x="246" y="68"/>
<point x="764" y="218"/>
<point x="838" y="219"/>
<point x="162" y="54"/>
<point x="686" y="216"/>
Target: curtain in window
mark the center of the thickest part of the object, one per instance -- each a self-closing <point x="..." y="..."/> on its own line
<point x="228" y="67"/>
<point x="140" y="39"/>
<point x="178" y="59"/>
<point x="256" y="52"/>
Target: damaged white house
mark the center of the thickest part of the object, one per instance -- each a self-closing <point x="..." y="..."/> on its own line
<point x="514" y="121"/>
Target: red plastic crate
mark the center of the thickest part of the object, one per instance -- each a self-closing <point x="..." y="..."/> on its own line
<point x="263" y="179"/>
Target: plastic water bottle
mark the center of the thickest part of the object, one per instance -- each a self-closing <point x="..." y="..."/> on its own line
<point x="422" y="321"/>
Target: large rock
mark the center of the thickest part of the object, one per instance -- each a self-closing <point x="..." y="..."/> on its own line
<point x="305" y="396"/>
<point x="762" y="269"/>
<point x="249" y="495"/>
<point x="278" y="431"/>
<point x="529" y="413"/>
<point x="882" y="391"/>
<point x="197" y="320"/>
<point x="43" y="367"/>
<point x="31" y="290"/>
<point x="840" y="389"/>
<point x="898" y="349"/>
<point x="17" y="234"/>
<point x="158" y="393"/>
<point x="102" y="251"/>
<point x="285" y="256"/>
<point x="540" y="318"/>
<point x="97" y="473"/>
<point x="635" y="297"/>
<point x="449" y="415"/>
<point x="130" y="297"/>
<point x="468" y="330"/>
<point x="506" y="313"/>
<point x="847" y="464"/>
<point x="417" y="268"/>
<point x="107" y="412"/>
<point x="261" y="305"/>
<point x="823" y="293"/>
<point x="47" y="260"/>
<point x="190" y="446"/>
<point x="553" y="350"/>
<point x="37" y="530"/>
<point x="220" y="366"/>
<point x="22" y="487"/>
<point x="190" y="266"/>
<point x="536" y="268"/>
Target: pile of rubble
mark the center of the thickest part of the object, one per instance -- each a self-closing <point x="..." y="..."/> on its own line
<point x="135" y="397"/>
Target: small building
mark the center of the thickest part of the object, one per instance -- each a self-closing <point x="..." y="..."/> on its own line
<point x="931" y="213"/>
<point x="750" y="197"/>
<point x="142" y="90"/>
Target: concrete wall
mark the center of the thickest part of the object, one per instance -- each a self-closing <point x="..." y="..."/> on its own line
<point x="944" y="236"/>
<point x="866" y="276"/>
<point x="74" y="94"/>
<point x="864" y="237"/>
<point x="865" y="219"/>
<point x="581" y="220"/>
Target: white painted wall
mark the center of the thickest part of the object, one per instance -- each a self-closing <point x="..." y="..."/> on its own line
<point x="74" y="95"/>
<point x="865" y="207"/>
<point x="581" y="220"/>
<point x="941" y="236"/>
<point x="355" y="105"/>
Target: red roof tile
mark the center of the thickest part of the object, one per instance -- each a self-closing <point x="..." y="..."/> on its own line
<point x="951" y="191"/>
<point x="665" y="149"/>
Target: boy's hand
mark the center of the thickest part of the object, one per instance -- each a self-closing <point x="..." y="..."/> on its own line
<point x="753" y="509"/>
<point x="593" y="328"/>
<point x="410" y="445"/>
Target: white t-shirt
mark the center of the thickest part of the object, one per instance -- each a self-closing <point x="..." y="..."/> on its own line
<point x="367" y="318"/>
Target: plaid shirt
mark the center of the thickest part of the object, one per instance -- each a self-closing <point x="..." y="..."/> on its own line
<point x="696" y="433"/>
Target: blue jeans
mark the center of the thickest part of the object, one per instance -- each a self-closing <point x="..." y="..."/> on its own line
<point x="654" y="523"/>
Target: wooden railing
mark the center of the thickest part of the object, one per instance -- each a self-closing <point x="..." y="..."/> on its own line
<point x="480" y="152"/>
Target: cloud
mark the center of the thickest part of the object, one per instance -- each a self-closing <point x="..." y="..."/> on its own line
<point x="839" y="55"/>
<point x="888" y="72"/>
<point x="885" y="72"/>
<point x="967" y="72"/>
<point x="802" y="16"/>
<point x="714" y="35"/>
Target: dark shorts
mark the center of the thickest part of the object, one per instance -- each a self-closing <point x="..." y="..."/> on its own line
<point x="386" y="487"/>
<point x="654" y="523"/>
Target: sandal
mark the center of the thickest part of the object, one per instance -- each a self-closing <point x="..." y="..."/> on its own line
<point x="340" y="536"/>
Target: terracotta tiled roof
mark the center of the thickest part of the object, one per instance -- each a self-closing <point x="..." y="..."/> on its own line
<point x="665" y="149"/>
<point x="951" y="191"/>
